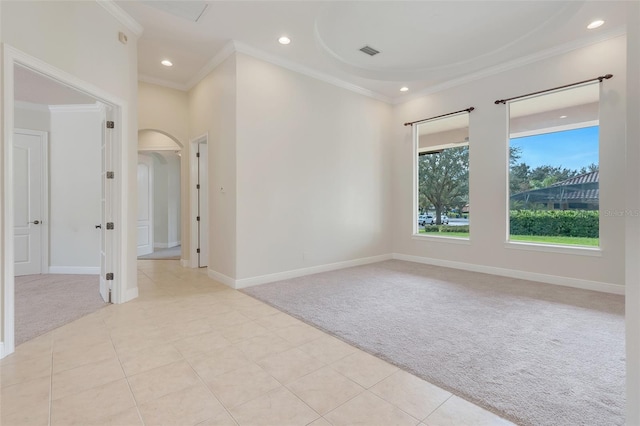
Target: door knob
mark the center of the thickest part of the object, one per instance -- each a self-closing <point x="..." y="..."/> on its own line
<point x="35" y="222"/>
<point x="99" y="226"/>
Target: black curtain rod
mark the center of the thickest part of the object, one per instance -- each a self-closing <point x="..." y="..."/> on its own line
<point x="602" y="77"/>
<point x="439" y="116"/>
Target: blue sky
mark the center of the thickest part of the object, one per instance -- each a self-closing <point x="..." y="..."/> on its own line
<point x="572" y="149"/>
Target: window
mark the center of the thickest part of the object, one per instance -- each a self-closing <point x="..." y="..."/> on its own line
<point x="554" y="168"/>
<point x="442" y="190"/>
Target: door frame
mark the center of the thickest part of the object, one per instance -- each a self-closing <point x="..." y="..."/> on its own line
<point x="44" y="195"/>
<point x="148" y="161"/>
<point x="193" y="197"/>
<point x="13" y="57"/>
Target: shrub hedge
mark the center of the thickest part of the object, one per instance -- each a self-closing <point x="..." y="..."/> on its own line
<point x="430" y="228"/>
<point x="565" y="223"/>
<point x="449" y="228"/>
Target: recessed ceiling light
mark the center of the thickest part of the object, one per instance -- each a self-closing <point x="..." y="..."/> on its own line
<point x="404" y="89"/>
<point x="563" y="116"/>
<point x="284" y="40"/>
<point x="167" y="63"/>
<point x="595" y="24"/>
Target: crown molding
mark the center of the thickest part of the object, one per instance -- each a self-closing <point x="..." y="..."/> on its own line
<point x="226" y="51"/>
<point x="239" y="47"/>
<point x="525" y="60"/>
<point x="96" y="107"/>
<point x="301" y="69"/>
<point x="164" y="83"/>
<point x="123" y="17"/>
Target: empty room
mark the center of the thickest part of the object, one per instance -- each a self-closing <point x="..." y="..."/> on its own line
<point x="420" y="213"/>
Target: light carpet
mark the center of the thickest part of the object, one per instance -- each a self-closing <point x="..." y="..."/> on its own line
<point x="536" y="354"/>
<point x="46" y="302"/>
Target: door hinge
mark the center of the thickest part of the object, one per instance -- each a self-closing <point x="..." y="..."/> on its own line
<point x="109" y="276"/>
<point x="198" y="154"/>
<point x="109" y="225"/>
<point x="110" y="125"/>
<point x="110" y="175"/>
<point x="198" y="186"/>
<point x="197" y="250"/>
<point x="197" y="218"/>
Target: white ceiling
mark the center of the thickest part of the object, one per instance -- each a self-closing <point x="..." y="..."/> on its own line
<point x="423" y="44"/>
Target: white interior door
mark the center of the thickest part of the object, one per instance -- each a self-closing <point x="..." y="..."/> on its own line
<point x="106" y="213"/>
<point x="28" y="165"/>
<point x="145" y="205"/>
<point x="203" y="205"/>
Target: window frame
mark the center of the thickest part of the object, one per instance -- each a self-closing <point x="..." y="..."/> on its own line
<point x="416" y="235"/>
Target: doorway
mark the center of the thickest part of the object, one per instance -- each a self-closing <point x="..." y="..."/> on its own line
<point x="34" y="93"/>
<point x="159" y="196"/>
<point x="200" y="202"/>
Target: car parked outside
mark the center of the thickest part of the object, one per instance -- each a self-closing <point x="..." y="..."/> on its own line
<point x="424" y="219"/>
<point x="444" y="220"/>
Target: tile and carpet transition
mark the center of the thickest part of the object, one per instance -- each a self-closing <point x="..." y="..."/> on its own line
<point x="536" y="354"/>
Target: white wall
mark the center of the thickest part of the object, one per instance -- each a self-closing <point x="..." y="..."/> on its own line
<point x="632" y="194"/>
<point x="75" y="190"/>
<point x="160" y="200"/>
<point x="31" y="116"/>
<point x="81" y="38"/>
<point x="313" y="172"/>
<point x="174" y="191"/>
<point x="166" y="199"/>
<point x="212" y="110"/>
<point x="488" y="166"/>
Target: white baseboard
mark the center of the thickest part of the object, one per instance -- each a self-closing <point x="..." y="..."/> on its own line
<point x="278" y="276"/>
<point x="2" y="354"/>
<point x="166" y="245"/>
<point x="130" y="294"/>
<point x="75" y="270"/>
<point x="221" y="278"/>
<point x="185" y="263"/>
<point x="511" y="273"/>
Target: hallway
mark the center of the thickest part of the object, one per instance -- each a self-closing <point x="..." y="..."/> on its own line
<point x="195" y="352"/>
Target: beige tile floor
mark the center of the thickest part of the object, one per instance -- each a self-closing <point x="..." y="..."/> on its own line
<point x="190" y="351"/>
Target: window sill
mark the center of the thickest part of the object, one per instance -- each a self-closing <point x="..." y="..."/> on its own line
<point x="453" y="240"/>
<point x="549" y="248"/>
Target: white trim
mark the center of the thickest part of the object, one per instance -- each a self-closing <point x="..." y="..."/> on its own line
<point x="506" y="66"/>
<point x="31" y="106"/>
<point x="130" y="294"/>
<point x="511" y="273"/>
<point x="193" y="195"/>
<point x="441" y="238"/>
<point x="75" y="270"/>
<point x="553" y="248"/>
<point x="13" y="56"/>
<point x="95" y="107"/>
<point x="221" y="278"/>
<point x="2" y="354"/>
<point x="294" y="273"/>
<point x="123" y="17"/>
<point x="309" y="72"/>
<point x="184" y="263"/>
<point x="217" y="59"/>
<point x="164" y="83"/>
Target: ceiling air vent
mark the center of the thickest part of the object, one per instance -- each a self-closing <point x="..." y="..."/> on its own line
<point x="369" y="50"/>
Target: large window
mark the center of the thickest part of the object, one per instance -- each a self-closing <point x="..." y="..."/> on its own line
<point x="442" y="190"/>
<point x="554" y="168"/>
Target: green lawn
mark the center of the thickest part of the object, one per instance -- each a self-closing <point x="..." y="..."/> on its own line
<point x="573" y="241"/>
